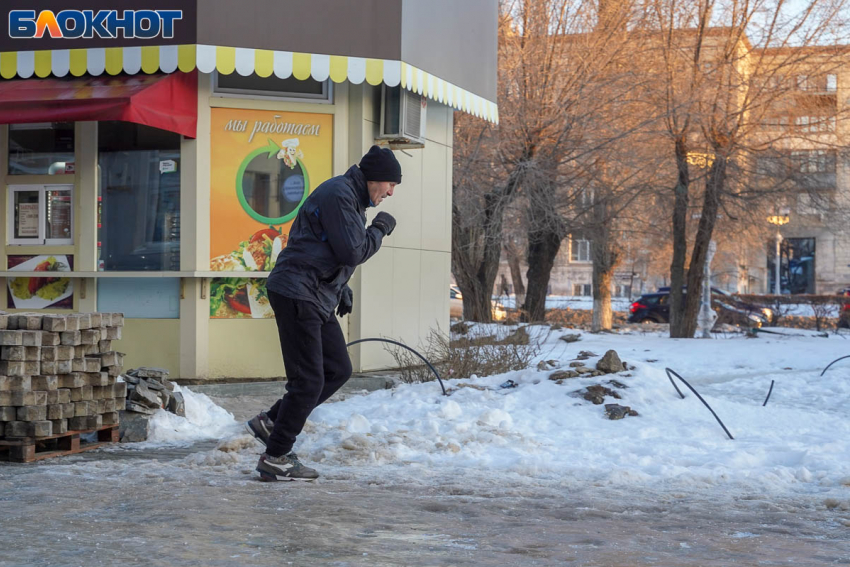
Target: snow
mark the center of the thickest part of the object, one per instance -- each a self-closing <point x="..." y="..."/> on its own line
<point x="204" y="420"/>
<point x="539" y="432"/>
<point x="568" y="302"/>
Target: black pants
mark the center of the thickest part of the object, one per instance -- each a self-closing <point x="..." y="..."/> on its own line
<point x="316" y="362"/>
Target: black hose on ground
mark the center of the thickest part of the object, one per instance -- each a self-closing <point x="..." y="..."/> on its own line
<point x="758" y="330"/>
<point x="768" y="394"/>
<point x="833" y="362"/>
<point x="396" y="343"/>
<point x="669" y="371"/>
<point x="670" y="374"/>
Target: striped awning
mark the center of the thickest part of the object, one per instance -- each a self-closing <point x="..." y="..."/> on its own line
<point x="227" y="60"/>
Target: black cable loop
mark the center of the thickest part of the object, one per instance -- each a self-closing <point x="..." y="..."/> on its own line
<point x="396" y="343"/>
<point x="768" y="394"/>
<point x="669" y="371"/>
<point x="833" y="362"/>
<point x="678" y="391"/>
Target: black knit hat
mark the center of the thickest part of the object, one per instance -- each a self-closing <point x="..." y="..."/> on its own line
<point x="379" y="164"/>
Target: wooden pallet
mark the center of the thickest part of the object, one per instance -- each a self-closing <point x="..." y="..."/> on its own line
<point x="29" y="449"/>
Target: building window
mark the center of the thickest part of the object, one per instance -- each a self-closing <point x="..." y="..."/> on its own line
<point x="272" y="87"/>
<point x="579" y="250"/>
<point x="41" y="149"/>
<point x="818" y="83"/>
<point x="41" y="215"/>
<point x="153" y="298"/>
<point x="775" y="123"/>
<point x="831" y="83"/>
<point x="622" y="290"/>
<point x="139" y="218"/>
<point x="582" y="290"/>
<point x="818" y="123"/>
<point x="814" y="161"/>
<point x="772" y="166"/>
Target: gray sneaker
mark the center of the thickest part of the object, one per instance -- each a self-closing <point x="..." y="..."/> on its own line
<point x="288" y="467"/>
<point x="260" y="426"/>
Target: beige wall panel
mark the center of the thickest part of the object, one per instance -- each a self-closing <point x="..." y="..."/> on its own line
<point x="436" y="199"/>
<point x="449" y="185"/>
<point x="151" y="342"/>
<point x="406" y="204"/>
<point x="195" y="241"/>
<point x="369" y="133"/>
<point x="436" y="128"/>
<point x="375" y="311"/>
<point x="247" y="348"/>
<point x="434" y="293"/>
<point x="391" y="307"/>
<point x="371" y="104"/>
<point x="406" y="295"/>
<point x="85" y="215"/>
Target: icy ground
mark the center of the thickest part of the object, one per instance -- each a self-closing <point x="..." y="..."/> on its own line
<point x="487" y="476"/>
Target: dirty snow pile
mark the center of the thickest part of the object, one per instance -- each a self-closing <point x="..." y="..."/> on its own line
<point x="540" y="430"/>
<point x="204" y="420"/>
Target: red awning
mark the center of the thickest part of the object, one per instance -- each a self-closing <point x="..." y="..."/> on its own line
<point x="167" y="102"/>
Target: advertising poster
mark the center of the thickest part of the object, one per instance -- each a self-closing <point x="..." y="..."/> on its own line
<point x="49" y="292"/>
<point x="263" y="165"/>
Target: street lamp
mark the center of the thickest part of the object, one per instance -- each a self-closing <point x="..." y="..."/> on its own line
<point x="782" y="218"/>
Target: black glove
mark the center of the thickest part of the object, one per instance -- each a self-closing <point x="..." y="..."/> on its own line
<point x="385" y="223"/>
<point x="346" y="302"/>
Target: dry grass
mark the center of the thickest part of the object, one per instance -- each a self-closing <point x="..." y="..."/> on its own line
<point x="505" y="351"/>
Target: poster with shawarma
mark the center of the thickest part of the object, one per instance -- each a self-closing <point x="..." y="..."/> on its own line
<point x="264" y="165"/>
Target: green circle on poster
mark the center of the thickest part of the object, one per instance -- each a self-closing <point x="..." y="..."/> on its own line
<point x="270" y="191"/>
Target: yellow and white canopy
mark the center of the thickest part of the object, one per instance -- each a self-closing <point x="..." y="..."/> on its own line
<point x="226" y="60"/>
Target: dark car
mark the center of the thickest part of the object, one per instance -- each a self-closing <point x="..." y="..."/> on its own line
<point x="655" y="308"/>
<point x="651" y="308"/>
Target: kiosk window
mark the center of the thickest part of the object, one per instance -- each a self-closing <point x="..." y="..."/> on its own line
<point x="139" y="216"/>
<point x="41" y="214"/>
<point x="272" y="87"/>
<point x="41" y="149"/>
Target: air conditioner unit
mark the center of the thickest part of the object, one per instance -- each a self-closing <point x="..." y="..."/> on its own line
<point x="403" y="116"/>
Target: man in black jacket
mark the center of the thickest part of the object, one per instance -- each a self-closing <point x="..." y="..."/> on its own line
<point x="328" y="240"/>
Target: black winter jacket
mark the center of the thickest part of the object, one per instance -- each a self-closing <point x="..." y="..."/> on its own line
<point x="328" y="240"/>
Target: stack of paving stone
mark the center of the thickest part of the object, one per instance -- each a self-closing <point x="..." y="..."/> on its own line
<point x="58" y="373"/>
<point x="149" y="389"/>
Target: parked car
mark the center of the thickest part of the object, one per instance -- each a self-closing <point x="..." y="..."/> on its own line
<point x="499" y="312"/>
<point x="655" y="308"/>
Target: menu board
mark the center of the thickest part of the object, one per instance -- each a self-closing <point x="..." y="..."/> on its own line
<point x="27" y="220"/>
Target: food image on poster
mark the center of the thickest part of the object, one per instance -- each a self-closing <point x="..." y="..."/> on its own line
<point x="264" y="165"/>
<point x="233" y="298"/>
<point x="51" y="291"/>
<point x="237" y="298"/>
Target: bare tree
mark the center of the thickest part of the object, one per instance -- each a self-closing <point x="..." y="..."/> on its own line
<point x="719" y="86"/>
<point x="590" y="49"/>
<point x="492" y="164"/>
